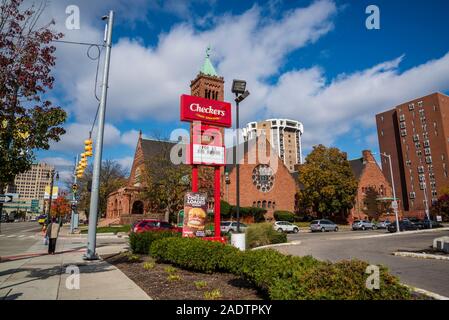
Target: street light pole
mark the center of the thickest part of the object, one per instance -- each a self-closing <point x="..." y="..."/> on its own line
<point x="237" y="165"/>
<point x="93" y="209"/>
<point x="395" y="206"/>
<point x="73" y="213"/>
<point x="427" y="204"/>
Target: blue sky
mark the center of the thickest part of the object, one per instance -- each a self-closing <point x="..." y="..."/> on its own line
<point x="313" y="61"/>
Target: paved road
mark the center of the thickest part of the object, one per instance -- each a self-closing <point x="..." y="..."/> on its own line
<point x="18" y="237"/>
<point x="432" y="275"/>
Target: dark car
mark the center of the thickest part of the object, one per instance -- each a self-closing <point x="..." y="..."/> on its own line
<point x="434" y="224"/>
<point x="153" y="225"/>
<point x="404" y="225"/>
<point x="417" y="222"/>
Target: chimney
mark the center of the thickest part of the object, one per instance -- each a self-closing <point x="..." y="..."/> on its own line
<point x="368" y="156"/>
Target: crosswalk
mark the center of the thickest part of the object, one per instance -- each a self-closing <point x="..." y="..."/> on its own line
<point x="18" y="236"/>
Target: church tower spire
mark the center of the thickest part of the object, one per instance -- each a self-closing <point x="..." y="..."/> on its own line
<point x="208" y="84"/>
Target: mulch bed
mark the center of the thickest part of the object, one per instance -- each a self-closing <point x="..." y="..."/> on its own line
<point x="156" y="283"/>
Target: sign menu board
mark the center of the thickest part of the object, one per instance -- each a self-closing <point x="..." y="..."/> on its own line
<point x="195" y="208"/>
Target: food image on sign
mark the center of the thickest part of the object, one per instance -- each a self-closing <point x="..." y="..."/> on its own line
<point x="195" y="208"/>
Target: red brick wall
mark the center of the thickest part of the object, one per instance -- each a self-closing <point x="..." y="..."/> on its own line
<point x="282" y="193"/>
<point x="372" y="176"/>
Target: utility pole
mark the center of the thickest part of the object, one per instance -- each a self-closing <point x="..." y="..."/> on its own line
<point x="93" y="209"/>
<point x="395" y="202"/>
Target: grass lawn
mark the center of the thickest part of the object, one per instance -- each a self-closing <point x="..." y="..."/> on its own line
<point x="125" y="228"/>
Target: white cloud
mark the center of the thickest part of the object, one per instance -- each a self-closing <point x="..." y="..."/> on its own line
<point x="350" y="101"/>
<point x="147" y="81"/>
<point x="57" y="161"/>
<point x="125" y="162"/>
<point x="130" y="137"/>
<point x="76" y="133"/>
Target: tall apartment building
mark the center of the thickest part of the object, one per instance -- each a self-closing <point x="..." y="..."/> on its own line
<point x="416" y="135"/>
<point x="284" y="136"/>
<point x="31" y="184"/>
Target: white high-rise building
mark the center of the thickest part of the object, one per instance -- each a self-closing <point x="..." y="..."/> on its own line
<point x="284" y="136"/>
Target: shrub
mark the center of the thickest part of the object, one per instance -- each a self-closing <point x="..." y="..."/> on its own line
<point x="345" y="280"/>
<point x="195" y="254"/>
<point x="280" y="276"/>
<point x="174" y="277"/>
<point x="200" y="284"/>
<point x="140" y="242"/>
<point x="284" y="216"/>
<point x="212" y="295"/>
<point x="261" y="234"/>
<point x="149" y="265"/>
<point x="266" y="267"/>
<point x="133" y="257"/>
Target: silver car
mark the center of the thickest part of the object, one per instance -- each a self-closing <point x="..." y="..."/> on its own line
<point x="323" y="225"/>
<point x="285" y="226"/>
<point x="362" y="225"/>
<point x="383" y="224"/>
<point x="231" y="226"/>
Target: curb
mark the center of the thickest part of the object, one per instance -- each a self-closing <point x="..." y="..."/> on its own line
<point x="278" y="245"/>
<point x="420" y="255"/>
<point x="430" y="294"/>
<point x="392" y="234"/>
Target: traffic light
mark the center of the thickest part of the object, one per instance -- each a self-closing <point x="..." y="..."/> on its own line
<point x="88" y="147"/>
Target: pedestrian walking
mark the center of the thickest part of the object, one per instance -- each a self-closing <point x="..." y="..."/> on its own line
<point x="52" y="234"/>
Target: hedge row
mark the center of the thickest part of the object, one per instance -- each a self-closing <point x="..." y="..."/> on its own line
<point x="278" y="275"/>
<point x="284" y="216"/>
<point x="140" y="242"/>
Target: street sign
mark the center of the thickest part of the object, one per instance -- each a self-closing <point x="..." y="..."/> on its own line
<point x="5" y="198"/>
<point x="394" y="204"/>
<point x="439" y="219"/>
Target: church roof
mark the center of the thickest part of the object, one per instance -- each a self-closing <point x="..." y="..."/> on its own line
<point x="151" y="148"/>
<point x="208" y="68"/>
<point x="357" y="167"/>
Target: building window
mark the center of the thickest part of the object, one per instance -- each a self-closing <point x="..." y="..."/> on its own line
<point x="402" y="117"/>
<point x="428" y="159"/>
<point x="411" y="107"/>
<point x="382" y="133"/>
<point x="402" y="125"/>
<point x="415" y="137"/>
<point x="403" y="132"/>
<point x="427" y="151"/>
<point x="269" y="204"/>
<point x="426" y="144"/>
<point x="420" y="169"/>
<point x="412" y="195"/>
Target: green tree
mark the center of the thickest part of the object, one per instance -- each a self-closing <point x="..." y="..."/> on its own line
<point x="112" y="177"/>
<point x="329" y="185"/>
<point x="164" y="185"/>
<point x="28" y="121"/>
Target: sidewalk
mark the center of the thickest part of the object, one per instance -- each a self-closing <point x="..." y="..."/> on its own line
<point x="35" y="275"/>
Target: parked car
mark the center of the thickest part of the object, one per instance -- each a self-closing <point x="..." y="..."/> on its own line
<point x="362" y="225"/>
<point x="323" y="225"/>
<point x="231" y="227"/>
<point x="285" y="226"/>
<point x="383" y="224"/>
<point x="404" y="225"/>
<point x="153" y="225"/>
<point x="41" y="219"/>
<point x="417" y="222"/>
<point x="435" y="224"/>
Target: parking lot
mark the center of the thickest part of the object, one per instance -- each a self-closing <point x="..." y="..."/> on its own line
<point x="376" y="247"/>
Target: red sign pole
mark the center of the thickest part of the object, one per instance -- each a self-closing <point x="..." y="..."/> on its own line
<point x="217" y="201"/>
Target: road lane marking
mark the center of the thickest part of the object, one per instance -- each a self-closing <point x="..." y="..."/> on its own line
<point x="11" y="236"/>
<point x="21" y="236"/>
